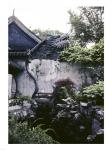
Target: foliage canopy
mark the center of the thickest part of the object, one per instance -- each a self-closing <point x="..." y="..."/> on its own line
<point x="78" y="54"/>
<point x="88" y="26"/>
<point x="43" y="34"/>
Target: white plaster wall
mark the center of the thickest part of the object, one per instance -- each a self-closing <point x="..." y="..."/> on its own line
<point x="25" y="84"/>
<point x="46" y="73"/>
<point x="50" y="71"/>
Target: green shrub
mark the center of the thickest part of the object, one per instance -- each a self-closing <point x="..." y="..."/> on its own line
<point x="95" y="92"/>
<point x="85" y="56"/>
<point x="20" y="133"/>
<point x="76" y="54"/>
<point x="19" y="100"/>
<point x="63" y="89"/>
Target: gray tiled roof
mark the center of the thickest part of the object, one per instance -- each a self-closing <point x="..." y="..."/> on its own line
<point x="23" y="27"/>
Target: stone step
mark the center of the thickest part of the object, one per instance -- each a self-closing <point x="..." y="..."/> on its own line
<point x="44" y="95"/>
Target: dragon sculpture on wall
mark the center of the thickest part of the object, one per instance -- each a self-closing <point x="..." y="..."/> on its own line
<point x="47" y="49"/>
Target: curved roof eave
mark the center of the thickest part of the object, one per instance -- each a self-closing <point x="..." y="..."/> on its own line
<point x="23" y="27"/>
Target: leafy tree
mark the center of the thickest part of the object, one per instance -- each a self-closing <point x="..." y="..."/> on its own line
<point x="88" y="26"/>
<point x="43" y="34"/>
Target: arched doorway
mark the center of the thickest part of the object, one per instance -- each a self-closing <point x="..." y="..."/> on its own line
<point x="14" y="70"/>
